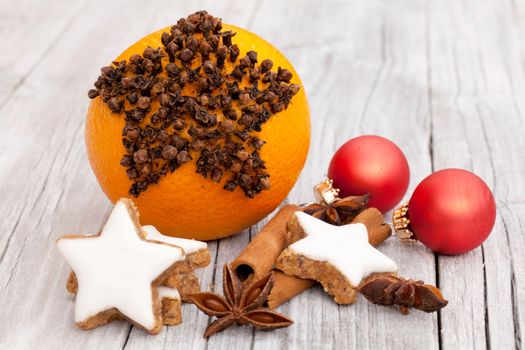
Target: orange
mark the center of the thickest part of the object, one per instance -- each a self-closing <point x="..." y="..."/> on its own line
<point x="184" y="203"/>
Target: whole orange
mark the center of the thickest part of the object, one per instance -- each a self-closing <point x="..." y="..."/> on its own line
<point x="184" y="203"/>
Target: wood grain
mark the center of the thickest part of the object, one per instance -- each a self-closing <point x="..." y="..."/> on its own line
<point x="443" y="79"/>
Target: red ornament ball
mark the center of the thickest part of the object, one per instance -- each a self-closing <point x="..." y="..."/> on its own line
<point x="452" y="211"/>
<point x="371" y="164"/>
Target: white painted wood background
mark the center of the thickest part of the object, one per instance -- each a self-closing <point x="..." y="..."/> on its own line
<point x="444" y="79"/>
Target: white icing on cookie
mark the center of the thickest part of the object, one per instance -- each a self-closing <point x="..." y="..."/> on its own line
<point x="189" y="245"/>
<point x="167" y="292"/>
<point x="344" y="247"/>
<point x="116" y="268"/>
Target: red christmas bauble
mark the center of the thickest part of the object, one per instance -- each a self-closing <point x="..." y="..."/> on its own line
<point x="452" y="211"/>
<point x="371" y="164"/>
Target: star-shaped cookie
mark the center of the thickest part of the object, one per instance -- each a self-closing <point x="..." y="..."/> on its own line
<point x="119" y="271"/>
<point x="339" y="257"/>
<point x="183" y="279"/>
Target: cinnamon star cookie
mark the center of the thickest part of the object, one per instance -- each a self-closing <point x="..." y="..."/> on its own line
<point x="339" y="257"/>
<point x="119" y="272"/>
<point x="182" y="279"/>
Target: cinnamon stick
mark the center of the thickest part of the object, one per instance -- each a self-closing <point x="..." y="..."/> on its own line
<point x="374" y="221"/>
<point x="285" y="288"/>
<point x="259" y="256"/>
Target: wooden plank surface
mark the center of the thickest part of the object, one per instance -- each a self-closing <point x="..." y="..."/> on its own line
<point x="443" y="79"/>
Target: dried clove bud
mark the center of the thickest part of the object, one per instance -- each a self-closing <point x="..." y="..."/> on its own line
<point x="179" y="124"/>
<point x="266" y="65"/>
<point x="252" y="55"/>
<point x="242" y="155"/>
<point x="234" y="53"/>
<point x="132" y="173"/>
<point x="245" y="62"/>
<point x="208" y="67"/>
<point x="183" y="157"/>
<point x="186" y="55"/>
<point x="132" y="134"/>
<point x="172" y="69"/>
<point x="284" y="75"/>
<point x="115" y="104"/>
<point x="141" y="156"/>
<point x="143" y="102"/>
<point x="265" y="183"/>
<point x="132" y="97"/>
<point x="126" y="161"/>
<point x="227" y="126"/>
<point x="165" y="39"/>
<point x="227" y="37"/>
<point x="92" y="93"/>
<point x="169" y="152"/>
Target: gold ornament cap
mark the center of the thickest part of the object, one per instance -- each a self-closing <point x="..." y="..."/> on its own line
<point x="402" y="225"/>
<point x="325" y="192"/>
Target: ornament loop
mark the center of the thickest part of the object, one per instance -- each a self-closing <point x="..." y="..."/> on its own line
<point x="324" y="192"/>
<point x="401" y="225"/>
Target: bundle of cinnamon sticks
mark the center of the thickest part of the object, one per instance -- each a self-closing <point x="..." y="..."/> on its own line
<point x="259" y="257"/>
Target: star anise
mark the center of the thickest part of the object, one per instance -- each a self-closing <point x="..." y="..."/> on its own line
<point x="390" y="290"/>
<point x="339" y="212"/>
<point x="241" y="305"/>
